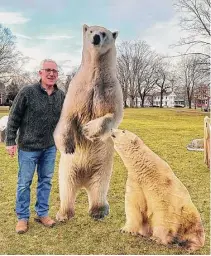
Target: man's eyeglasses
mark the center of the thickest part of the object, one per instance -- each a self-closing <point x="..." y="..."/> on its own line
<point x="48" y="70"/>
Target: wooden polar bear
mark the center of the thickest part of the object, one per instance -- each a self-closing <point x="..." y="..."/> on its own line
<point x="92" y="107"/>
<point x="157" y="204"/>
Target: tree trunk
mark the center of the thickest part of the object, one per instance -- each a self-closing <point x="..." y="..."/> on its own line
<point x="136" y="102"/>
<point x="132" y="102"/>
<point x="142" y="102"/>
<point x="161" y="99"/>
<point x="125" y="103"/>
<point x="152" y="101"/>
<point x="189" y="103"/>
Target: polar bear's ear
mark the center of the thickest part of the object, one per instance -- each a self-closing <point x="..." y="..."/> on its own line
<point x="85" y="28"/>
<point x="115" y="34"/>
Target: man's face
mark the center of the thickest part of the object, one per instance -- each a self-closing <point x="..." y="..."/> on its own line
<point x="49" y="73"/>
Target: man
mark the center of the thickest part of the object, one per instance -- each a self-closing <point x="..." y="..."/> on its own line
<point x="33" y="116"/>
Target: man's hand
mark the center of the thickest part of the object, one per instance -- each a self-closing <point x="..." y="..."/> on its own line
<point x="11" y="150"/>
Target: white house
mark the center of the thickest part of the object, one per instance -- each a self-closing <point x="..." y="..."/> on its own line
<point x="168" y="99"/>
<point x="137" y="102"/>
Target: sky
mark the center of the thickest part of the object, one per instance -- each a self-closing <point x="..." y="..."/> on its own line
<point x="53" y="29"/>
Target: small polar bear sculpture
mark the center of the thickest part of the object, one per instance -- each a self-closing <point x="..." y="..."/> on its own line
<point x="196" y="145"/>
<point x="157" y="204"/>
<point x="3" y="123"/>
<point x="92" y="107"/>
<point x="3" y="126"/>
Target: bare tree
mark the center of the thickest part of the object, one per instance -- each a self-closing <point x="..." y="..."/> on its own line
<point x="128" y="66"/>
<point x="147" y="79"/>
<point x="162" y="78"/>
<point x="12" y="90"/>
<point x="191" y="75"/>
<point x="69" y="78"/>
<point x="9" y="56"/>
<point x="195" y="20"/>
<point x="22" y="77"/>
<point x="123" y="77"/>
<point x="151" y="96"/>
<point x="61" y="79"/>
<point x="173" y="78"/>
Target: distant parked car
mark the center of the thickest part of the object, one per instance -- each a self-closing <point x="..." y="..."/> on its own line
<point x="178" y="106"/>
<point x="206" y="109"/>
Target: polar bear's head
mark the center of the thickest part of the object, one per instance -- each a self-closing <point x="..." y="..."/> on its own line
<point x="124" y="141"/>
<point x="98" y="39"/>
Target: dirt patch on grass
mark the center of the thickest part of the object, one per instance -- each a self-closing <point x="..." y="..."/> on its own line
<point x="190" y="112"/>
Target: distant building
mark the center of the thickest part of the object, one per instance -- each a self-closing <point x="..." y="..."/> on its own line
<point x="179" y="101"/>
<point x="202" y="96"/>
<point x="170" y="100"/>
<point x="200" y="99"/>
<point x="137" y="102"/>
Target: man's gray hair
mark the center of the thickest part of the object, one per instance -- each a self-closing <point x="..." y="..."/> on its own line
<point x="47" y="60"/>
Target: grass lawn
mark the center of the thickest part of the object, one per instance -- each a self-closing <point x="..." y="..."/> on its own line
<point x="167" y="132"/>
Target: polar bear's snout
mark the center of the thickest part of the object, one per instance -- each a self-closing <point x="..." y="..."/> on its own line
<point x="112" y="135"/>
<point x="96" y="39"/>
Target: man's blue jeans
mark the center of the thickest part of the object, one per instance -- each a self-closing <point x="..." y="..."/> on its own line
<point x="44" y="160"/>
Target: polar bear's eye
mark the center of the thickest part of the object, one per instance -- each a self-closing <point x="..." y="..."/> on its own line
<point x="103" y="34"/>
<point x="90" y="31"/>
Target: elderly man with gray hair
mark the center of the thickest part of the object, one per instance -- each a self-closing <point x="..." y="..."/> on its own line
<point x="34" y="114"/>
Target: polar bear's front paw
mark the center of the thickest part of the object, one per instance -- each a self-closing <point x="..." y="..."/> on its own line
<point x="127" y="229"/>
<point x="64" y="217"/>
<point x="92" y="130"/>
<point x="98" y="213"/>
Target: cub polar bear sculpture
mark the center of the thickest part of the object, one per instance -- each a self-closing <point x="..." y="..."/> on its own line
<point x="92" y="107"/>
<point x="3" y="126"/>
<point x="157" y="204"/>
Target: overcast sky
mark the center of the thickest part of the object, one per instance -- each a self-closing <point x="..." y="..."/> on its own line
<point x="53" y="29"/>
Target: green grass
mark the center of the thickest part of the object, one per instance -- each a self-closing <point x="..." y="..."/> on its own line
<point x="167" y="132"/>
<point x="3" y="111"/>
